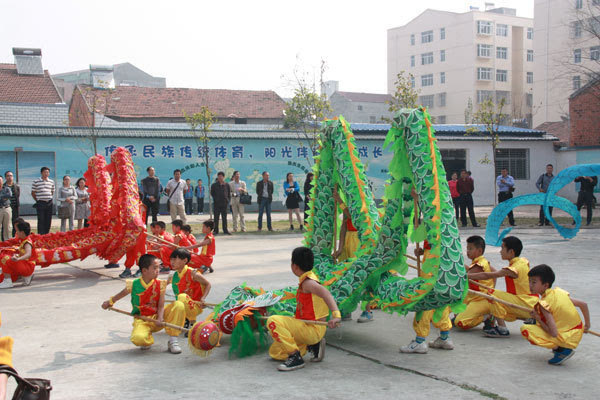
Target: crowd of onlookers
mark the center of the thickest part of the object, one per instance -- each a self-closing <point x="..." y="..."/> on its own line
<point x="231" y="195"/>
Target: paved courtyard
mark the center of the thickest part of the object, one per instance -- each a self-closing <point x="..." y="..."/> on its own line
<point x="61" y="333"/>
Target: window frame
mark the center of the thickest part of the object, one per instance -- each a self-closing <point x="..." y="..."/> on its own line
<point x="427" y="34"/>
<point x="504" y="27"/>
<point x="427" y="57"/>
<point x="595" y="53"/>
<point x="443" y="33"/>
<point x="502" y="72"/>
<point x="529" y="55"/>
<point x="443" y="55"/>
<point x="484" y="70"/>
<point x="502" y="49"/>
<point x="443" y="78"/>
<point x="489" y="94"/>
<point x="529" y="75"/>
<point x="412" y="39"/>
<point x="412" y="61"/>
<point x="577" y="56"/>
<point x="576" y="78"/>
<point x="430" y="101"/>
<point x="481" y="48"/>
<point x="483" y="26"/>
<point x="530" y="33"/>
<point x="511" y="158"/>
<point x="426" y="77"/>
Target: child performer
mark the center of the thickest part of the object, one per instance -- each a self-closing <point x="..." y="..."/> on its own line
<point x="422" y="326"/>
<point x="187" y="231"/>
<point x="517" y="287"/>
<point x="148" y="299"/>
<point x="179" y="237"/>
<point x="22" y="263"/>
<point x="477" y="307"/>
<point x="158" y="229"/>
<point x="189" y="286"/>
<point x="292" y="338"/>
<point x="558" y="325"/>
<point x="204" y="260"/>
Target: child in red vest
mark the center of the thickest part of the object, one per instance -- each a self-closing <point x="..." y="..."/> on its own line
<point x="204" y="260"/>
<point x="22" y="263"/>
<point x="187" y="231"/>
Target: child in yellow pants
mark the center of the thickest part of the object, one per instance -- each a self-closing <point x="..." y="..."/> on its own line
<point x="558" y="324"/>
<point x="292" y="337"/>
<point x="422" y="327"/>
<point x="148" y="299"/>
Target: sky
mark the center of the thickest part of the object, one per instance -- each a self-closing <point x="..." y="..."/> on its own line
<point x="227" y="44"/>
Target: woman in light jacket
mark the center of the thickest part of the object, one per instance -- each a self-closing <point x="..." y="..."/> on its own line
<point x="66" y="207"/>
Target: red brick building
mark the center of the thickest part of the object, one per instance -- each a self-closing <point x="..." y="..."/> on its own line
<point x="584" y="110"/>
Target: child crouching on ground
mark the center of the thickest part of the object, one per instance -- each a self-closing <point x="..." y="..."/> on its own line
<point x="558" y="325"/>
<point x="292" y="337"/>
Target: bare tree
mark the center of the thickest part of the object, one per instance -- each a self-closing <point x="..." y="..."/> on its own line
<point x="405" y="95"/>
<point x="200" y="124"/>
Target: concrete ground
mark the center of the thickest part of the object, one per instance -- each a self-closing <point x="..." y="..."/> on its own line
<point x="61" y="333"/>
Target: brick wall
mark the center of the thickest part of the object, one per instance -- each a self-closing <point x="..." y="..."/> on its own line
<point x="584" y="110"/>
<point x="34" y="114"/>
<point x="79" y="114"/>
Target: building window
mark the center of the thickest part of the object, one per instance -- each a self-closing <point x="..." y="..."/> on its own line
<point x="515" y="160"/>
<point x="442" y="99"/>
<point x="502" y="53"/>
<point x="441" y="119"/>
<point x="412" y="40"/>
<point x="502" y="95"/>
<point x="483" y="95"/>
<point x="578" y="4"/>
<point x="412" y="81"/>
<point x="484" y="50"/>
<point x="501" y="75"/>
<point x="501" y="30"/>
<point x="427" y="37"/>
<point x="241" y="121"/>
<point x="442" y="77"/>
<point x="530" y="33"/>
<point x="427" y="58"/>
<point x="372" y="119"/>
<point x="577" y="29"/>
<point x="529" y="99"/>
<point x="530" y="55"/>
<point x="412" y="61"/>
<point x="359" y="107"/>
<point x="484" y="74"/>
<point x="577" y="56"/>
<point x="426" y="101"/>
<point x="427" y="80"/>
<point x="484" y="27"/>
<point x="442" y="33"/>
<point x="576" y="82"/>
<point x="530" y="77"/>
<point x="595" y="53"/>
<point x="442" y="55"/>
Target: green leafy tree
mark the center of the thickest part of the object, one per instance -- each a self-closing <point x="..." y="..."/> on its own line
<point x="200" y="124"/>
<point x="405" y="95"/>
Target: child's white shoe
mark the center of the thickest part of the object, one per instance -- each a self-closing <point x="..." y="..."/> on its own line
<point x="440" y="343"/>
<point x="6" y="283"/>
<point x="414" y="347"/>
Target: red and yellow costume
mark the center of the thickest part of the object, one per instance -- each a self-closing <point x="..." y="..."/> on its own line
<point x="205" y="258"/>
<point x="144" y="300"/>
<point x="351" y="242"/>
<point x="517" y="292"/>
<point x="188" y="291"/>
<point x="15" y="269"/>
<point x="192" y="239"/>
<point x="289" y="333"/>
<point x="568" y="322"/>
<point x="6" y="344"/>
<point x="477" y="306"/>
<point x="163" y="251"/>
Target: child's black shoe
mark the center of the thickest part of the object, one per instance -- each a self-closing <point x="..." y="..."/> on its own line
<point x="293" y="362"/>
<point x="317" y="350"/>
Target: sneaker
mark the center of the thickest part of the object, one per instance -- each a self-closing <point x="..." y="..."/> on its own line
<point x="138" y="273"/>
<point x="561" y="356"/>
<point x="317" y="350"/>
<point x="111" y="265"/>
<point x="174" y="347"/>
<point x="293" y="362"/>
<point x="291" y="227"/>
<point x="488" y="324"/>
<point x="366" y="316"/>
<point x="414" y="347"/>
<point x="440" y="343"/>
<point x="211" y="270"/>
<point x="495" y="332"/>
<point x="126" y="274"/>
<point x="6" y="283"/>
<point x="27" y="280"/>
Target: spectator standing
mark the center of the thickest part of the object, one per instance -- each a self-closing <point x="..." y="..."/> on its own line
<point x="42" y="191"/>
<point x="264" y="193"/>
<point x="454" y="193"/>
<point x="5" y="210"/>
<point x="82" y="205"/>
<point x="506" y="185"/>
<point x="307" y="187"/>
<point x="66" y="206"/>
<point x="542" y="185"/>
<point x="465" y="188"/>
<point x="237" y="188"/>
<point x="586" y="195"/>
<point x="199" y="192"/>
<point x="221" y="194"/>
<point x="175" y="189"/>
<point x="188" y="197"/>
<point x="151" y="190"/>
<point x="14" y="200"/>
<point x="291" y="191"/>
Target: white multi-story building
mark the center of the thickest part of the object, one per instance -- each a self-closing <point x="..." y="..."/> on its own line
<point x="460" y="57"/>
<point x="567" y="54"/>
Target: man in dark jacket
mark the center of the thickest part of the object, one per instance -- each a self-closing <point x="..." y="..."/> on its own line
<point x="586" y="194"/>
<point x="221" y="195"/>
<point x="264" y="191"/>
<point x="542" y="185"/>
<point x="151" y="194"/>
<point x="14" y="201"/>
<point x="465" y="187"/>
